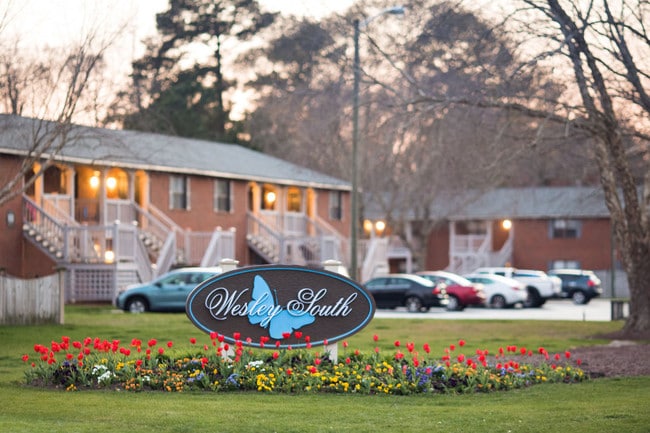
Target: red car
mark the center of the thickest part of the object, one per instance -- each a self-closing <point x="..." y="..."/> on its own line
<point x="460" y="290"/>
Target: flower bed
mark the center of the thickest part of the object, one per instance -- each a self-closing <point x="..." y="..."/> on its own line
<point x="96" y="363"/>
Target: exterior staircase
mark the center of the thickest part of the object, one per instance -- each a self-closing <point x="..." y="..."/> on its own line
<point x="468" y="252"/>
<point x="310" y="245"/>
<point x="101" y="258"/>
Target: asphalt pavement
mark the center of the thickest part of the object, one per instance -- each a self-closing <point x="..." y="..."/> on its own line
<point x="597" y="310"/>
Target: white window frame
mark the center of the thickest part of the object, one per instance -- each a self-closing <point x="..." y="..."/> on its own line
<point x="218" y="198"/>
<point x="173" y="179"/>
<point x="335" y="206"/>
<point x="560" y="228"/>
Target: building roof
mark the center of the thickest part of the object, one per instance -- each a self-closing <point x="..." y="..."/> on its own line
<point x="511" y="203"/>
<point x="157" y="152"/>
<point x="533" y="203"/>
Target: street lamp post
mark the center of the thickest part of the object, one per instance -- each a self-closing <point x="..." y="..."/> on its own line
<point x="354" y="229"/>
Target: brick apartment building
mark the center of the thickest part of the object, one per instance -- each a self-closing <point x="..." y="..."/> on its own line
<point x="115" y="207"/>
<point x="529" y="228"/>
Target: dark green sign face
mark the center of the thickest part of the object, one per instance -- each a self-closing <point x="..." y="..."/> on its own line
<point x="280" y="306"/>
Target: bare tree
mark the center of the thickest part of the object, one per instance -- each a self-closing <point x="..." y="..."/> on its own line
<point x="52" y="90"/>
<point x="606" y="45"/>
<point x="602" y="49"/>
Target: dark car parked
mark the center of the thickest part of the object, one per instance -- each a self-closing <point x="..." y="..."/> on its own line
<point x="460" y="290"/>
<point x="578" y="284"/>
<point x="405" y="290"/>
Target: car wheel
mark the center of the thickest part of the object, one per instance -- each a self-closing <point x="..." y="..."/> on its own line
<point x="137" y="305"/>
<point x="413" y="304"/>
<point x="533" y="300"/>
<point x="579" y="297"/>
<point x="454" y="304"/>
<point x="498" y="301"/>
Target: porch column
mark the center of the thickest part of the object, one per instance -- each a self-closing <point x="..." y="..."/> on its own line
<point x="71" y="176"/>
<point x="38" y="185"/>
<point x="131" y="192"/>
<point x="101" y="196"/>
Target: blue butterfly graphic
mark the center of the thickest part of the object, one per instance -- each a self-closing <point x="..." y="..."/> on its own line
<point x="280" y="321"/>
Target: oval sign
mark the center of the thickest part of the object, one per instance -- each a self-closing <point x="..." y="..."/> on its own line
<point x="280" y="306"/>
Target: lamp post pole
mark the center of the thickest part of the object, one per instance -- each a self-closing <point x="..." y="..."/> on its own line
<point x="354" y="227"/>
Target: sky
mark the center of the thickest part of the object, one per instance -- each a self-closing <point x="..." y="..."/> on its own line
<point x="60" y="21"/>
<point x="40" y="23"/>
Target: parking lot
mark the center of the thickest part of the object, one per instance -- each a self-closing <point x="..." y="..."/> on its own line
<point x="598" y="310"/>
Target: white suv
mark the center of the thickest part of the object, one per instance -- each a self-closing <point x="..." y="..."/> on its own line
<point x="539" y="285"/>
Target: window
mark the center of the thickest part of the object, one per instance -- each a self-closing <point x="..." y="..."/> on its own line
<point x="179" y="192"/>
<point x="269" y="197"/>
<point x="294" y="199"/>
<point x="564" y="229"/>
<point x="336" y="205"/>
<point x="222" y="195"/>
<point x="471" y="227"/>
<point x="564" y="264"/>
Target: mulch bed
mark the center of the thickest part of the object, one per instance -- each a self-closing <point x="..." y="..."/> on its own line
<point x="626" y="355"/>
<point x="617" y="359"/>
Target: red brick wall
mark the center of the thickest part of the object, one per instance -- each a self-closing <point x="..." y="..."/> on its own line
<point x="202" y="217"/>
<point x="322" y="205"/>
<point x="18" y="257"/>
<point x="533" y="249"/>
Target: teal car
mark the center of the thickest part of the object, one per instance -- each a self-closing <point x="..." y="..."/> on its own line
<point x="166" y="293"/>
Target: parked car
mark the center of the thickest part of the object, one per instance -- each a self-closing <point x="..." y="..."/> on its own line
<point x="406" y="290"/>
<point x="501" y="292"/>
<point x="460" y="290"/>
<point x="166" y="293"/>
<point x="578" y="284"/>
<point x="539" y="285"/>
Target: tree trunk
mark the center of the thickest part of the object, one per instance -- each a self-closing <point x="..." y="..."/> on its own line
<point x="638" y="278"/>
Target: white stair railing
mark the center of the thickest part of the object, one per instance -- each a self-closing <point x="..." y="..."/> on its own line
<point x="375" y="262"/>
<point x="221" y="246"/>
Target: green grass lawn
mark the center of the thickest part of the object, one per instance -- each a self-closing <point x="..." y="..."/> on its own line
<point x="599" y="405"/>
